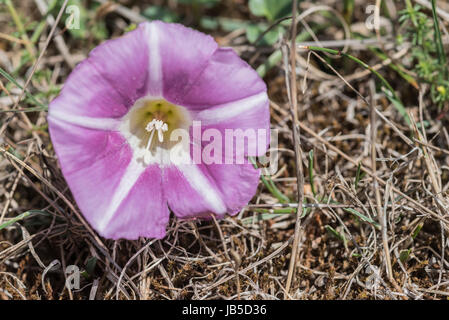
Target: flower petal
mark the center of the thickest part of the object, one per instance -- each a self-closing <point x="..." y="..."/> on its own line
<point x="118" y="196"/>
<point x="87" y="94"/>
<point x="248" y="118"/>
<point x="226" y="78"/>
<point x="93" y="163"/>
<point x="143" y="212"/>
<point x="105" y="85"/>
<point x="184" y="53"/>
<point x="122" y="63"/>
<point x="191" y="192"/>
<point x="199" y="190"/>
<point x="237" y="184"/>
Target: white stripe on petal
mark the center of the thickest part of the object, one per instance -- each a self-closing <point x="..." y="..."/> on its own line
<point x="232" y="109"/>
<point x="127" y="181"/>
<point x="199" y="183"/>
<point x="86" y="122"/>
<point x="154" y="63"/>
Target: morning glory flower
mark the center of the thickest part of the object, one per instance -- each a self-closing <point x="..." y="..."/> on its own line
<point x="112" y="127"/>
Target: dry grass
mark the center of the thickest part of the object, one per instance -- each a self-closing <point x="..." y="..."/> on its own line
<point x="392" y="245"/>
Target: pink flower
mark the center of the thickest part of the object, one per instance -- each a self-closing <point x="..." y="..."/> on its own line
<point x="111" y="124"/>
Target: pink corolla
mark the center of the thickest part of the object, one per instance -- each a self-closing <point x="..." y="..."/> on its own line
<point x="112" y="123"/>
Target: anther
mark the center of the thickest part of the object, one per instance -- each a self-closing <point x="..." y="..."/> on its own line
<point x="153" y="126"/>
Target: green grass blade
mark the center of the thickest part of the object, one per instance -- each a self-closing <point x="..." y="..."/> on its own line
<point x="438" y="40"/>
<point x="389" y="91"/>
<point x="20" y="217"/>
<point x="11" y="79"/>
<point x="358" y="176"/>
<point x="362" y="217"/>
<point x="270" y="185"/>
<point x="311" y="172"/>
<point x="336" y="234"/>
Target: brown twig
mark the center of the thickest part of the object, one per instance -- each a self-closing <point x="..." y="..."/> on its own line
<point x="298" y="151"/>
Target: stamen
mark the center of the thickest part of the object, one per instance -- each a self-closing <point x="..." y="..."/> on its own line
<point x="153" y="126"/>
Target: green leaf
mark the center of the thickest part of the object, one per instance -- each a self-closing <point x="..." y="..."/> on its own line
<point x="90" y="265"/>
<point x="270" y="185"/>
<point x="260" y="217"/>
<point x="227" y="24"/>
<point x="348" y="10"/>
<point x="160" y="13"/>
<point x="254" y="31"/>
<point x="230" y="25"/>
<point x="358" y="176"/>
<point x="335" y="233"/>
<point x="386" y="88"/>
<point x="363" y="217"/>
<point x="312" y="185"/>
<point x="257" y="7"/>
<point x="417" y="230"/>
<point x="404" y="255"/>
<point x="438" y="40"/>
<point x="20" y="217"/>
<point x="271" y="61"/>
<point x="30" y="96"/>
<point x="204" y="3"/>
<point x="397" y="104"/>
<point x="209" y="23"/>
<point x="279" y="8"/>
<point x="270" y="9"/>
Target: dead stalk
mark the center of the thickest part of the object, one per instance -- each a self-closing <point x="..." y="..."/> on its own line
<point x="298" y="151"/>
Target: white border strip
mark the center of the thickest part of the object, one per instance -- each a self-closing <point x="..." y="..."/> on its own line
<point x="127" y="182"/>
<point x="232" y="109"/>
<point x="107" y="124"/>
<point x="155" y="60"/>
<point x="199" y="183"/>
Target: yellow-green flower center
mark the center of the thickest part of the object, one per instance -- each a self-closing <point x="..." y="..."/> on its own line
<point x="153" y="121"/>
